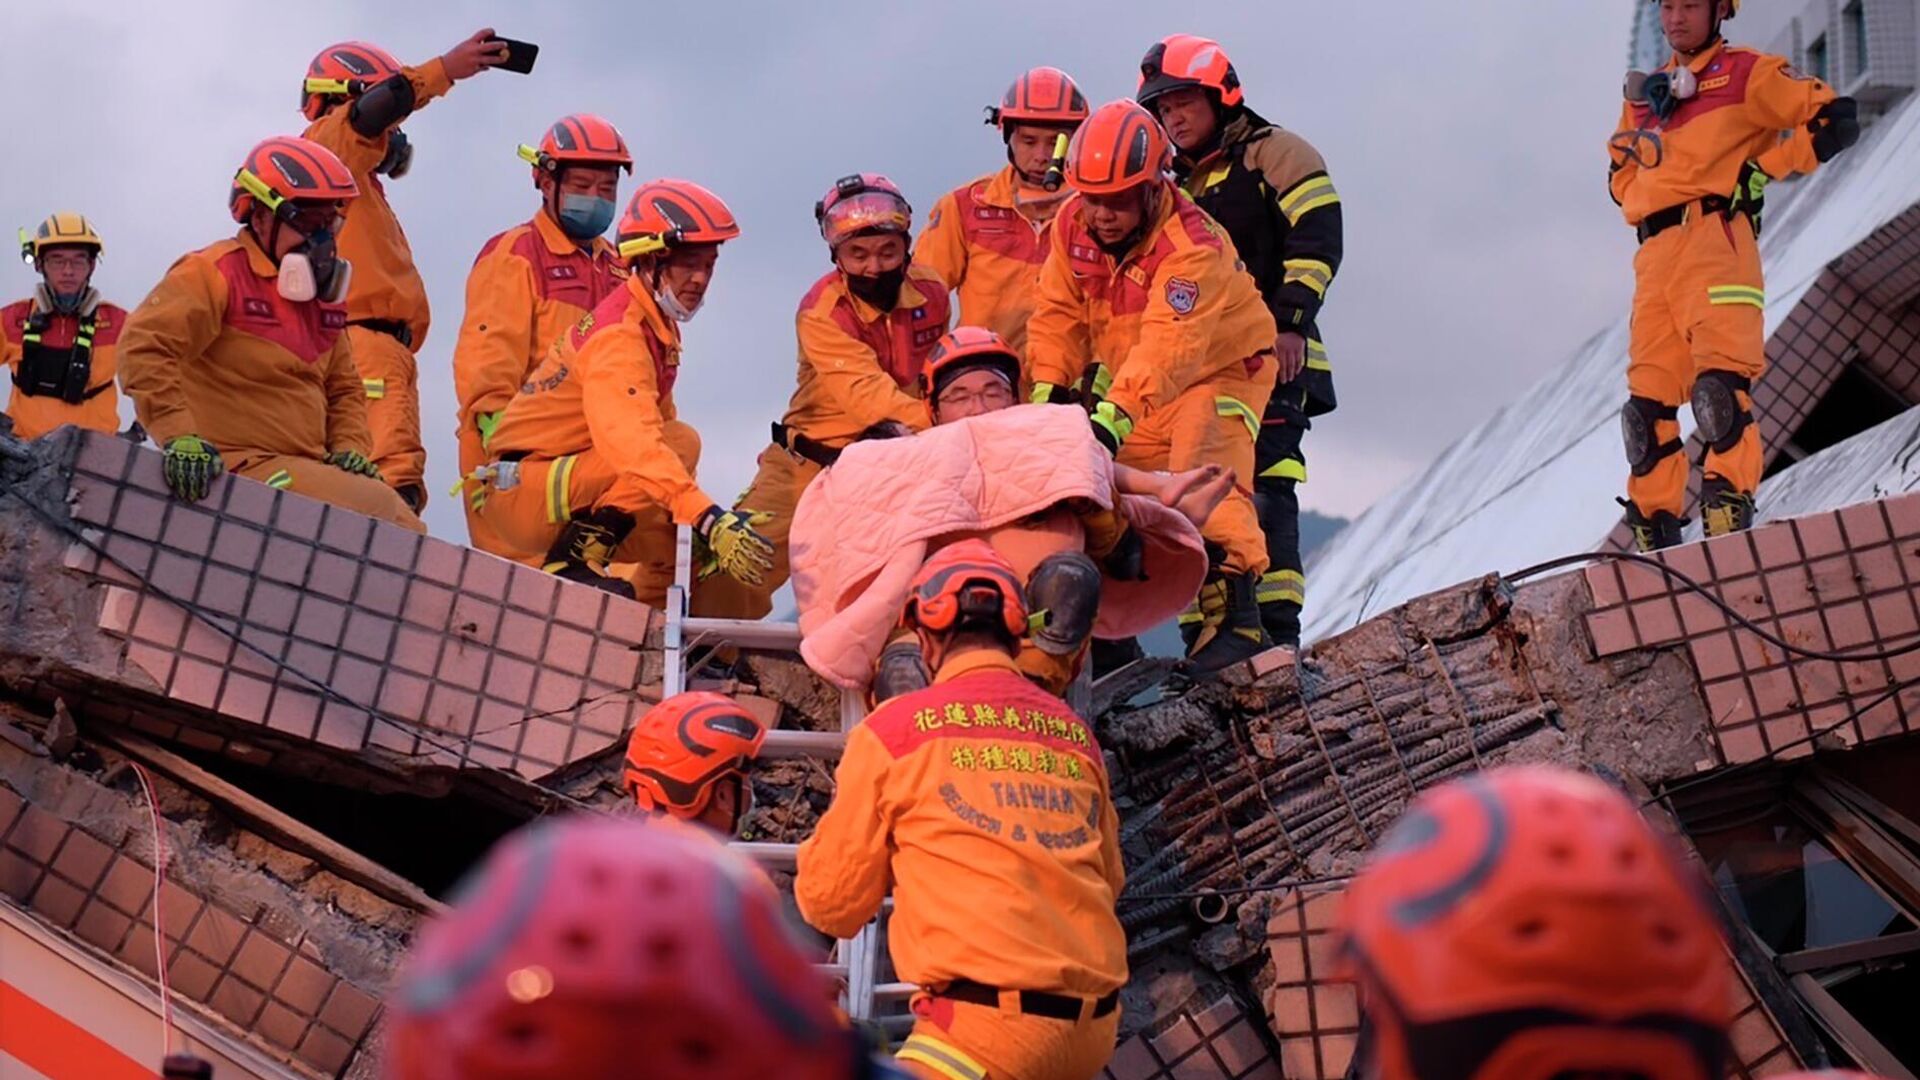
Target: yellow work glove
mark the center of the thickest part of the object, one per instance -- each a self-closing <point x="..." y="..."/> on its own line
<point x="733" y="547"/>
<point x="488" y="423"/>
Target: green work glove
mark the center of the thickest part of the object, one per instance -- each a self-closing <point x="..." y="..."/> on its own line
<point x="488" y="423"/>
<point x="352" y="461"/>
<point x="1111" y="425"/>
<point x="1047" y="393"/>
<point x="190" y="465"/>
<point x="734" y="548"/>
<point x="1750" y="194"/>
<point x="1098" y="382"/>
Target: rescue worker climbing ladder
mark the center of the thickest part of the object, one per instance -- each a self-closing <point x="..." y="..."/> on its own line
<point x="1697" y="143"/>
<point x="59" y="344"/>
<point x="1269" y="189"/>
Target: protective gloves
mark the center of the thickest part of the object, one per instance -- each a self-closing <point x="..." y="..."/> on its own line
<point x="190" y="465"/>
<point x="733" y="547"/>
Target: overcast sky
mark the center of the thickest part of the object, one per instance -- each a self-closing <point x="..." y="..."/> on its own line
<point x="1467" y="143"/>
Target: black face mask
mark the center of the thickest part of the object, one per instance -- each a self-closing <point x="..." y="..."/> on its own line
<point x="882" y="290"/>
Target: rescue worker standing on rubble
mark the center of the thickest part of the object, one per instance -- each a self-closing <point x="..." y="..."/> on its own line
<point x="532" y="284"/>
<point x="988" y="239"/>
<point x="356" y="96"/>
<point x="1270" y="190"/>
<point x="687" y="761"/>
<point x="1143" y="280"/>
<point x="864" y="329"/>
<point x="238" y="360"/>
<point x="1696" y="145"/>
<point x="983" y="802"/>
<point x="590" y="461"/>
<point x="59" y="343"/>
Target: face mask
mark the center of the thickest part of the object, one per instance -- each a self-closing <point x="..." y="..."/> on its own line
<point x="584" y="217"/>
<point x="399" y="156"/>
<point x="67" y="303"/>
<point x="882" y="290"/>
<point x="314" y="271"/>
<point x="670" y="304"/>
<point x="1663" y="91"/>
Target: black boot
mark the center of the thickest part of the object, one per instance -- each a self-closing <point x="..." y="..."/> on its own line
<point x="1238" y="635"/>
<point x="1065" y="589"/>
<point x="1110" y="656"/>
<point x="1723" y="508"/>
<point x="901" y="670"/>
<point x="1662" y="530"/>
<point x="583" y="548"/>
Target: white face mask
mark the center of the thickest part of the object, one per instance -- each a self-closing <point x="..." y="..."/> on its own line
<point x="670" y="304"/>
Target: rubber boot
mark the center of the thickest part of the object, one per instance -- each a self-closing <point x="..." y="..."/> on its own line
<point x="1724" y="508"/>
<point x="1065" y="591"/>
<point x="1239" y="635"/>
<point x="1662" y="530"/>
<point x="1110" y="656"/>
<point x="582" y="550"/>
<point x="901" y="670"/>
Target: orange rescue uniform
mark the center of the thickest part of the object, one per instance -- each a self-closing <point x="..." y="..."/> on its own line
<point x="984" y="802"/>
<point x="529" y="286"/>
<point x="987" y="241"/>
<point x="215" y="351"/>
<point x="385" y="293"/>
<point x="36" y="414"/>
<point x="1699" y="302"/>
<point x="595" y="427"/>
<point x="859" y="366"/>
<point x="1189" y="341"/>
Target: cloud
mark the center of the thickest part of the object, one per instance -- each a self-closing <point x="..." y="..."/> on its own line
<point x="1467" y="143"/>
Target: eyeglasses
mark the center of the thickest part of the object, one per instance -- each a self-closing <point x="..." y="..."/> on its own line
<point x="995" y="396"/>
<point x="66" y="260"/>
<point x="312" y="218"/>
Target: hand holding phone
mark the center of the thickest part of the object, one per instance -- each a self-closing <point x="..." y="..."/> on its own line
<point x="520" y="55"/>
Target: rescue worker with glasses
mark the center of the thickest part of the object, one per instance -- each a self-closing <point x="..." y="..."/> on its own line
<point x="59" y="344"/>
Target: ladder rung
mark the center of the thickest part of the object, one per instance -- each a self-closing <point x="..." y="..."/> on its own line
<point x="746" y="633"/>
<point x="832" y="971"/>
<point x="893" y="991"/>
<point x="767" y="854"/>
<point x="794" y="744"/>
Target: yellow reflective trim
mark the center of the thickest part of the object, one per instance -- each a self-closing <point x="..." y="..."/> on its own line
<point x="282" y="480"/>
<point x="1736" y="294"/>
<point x="1265" y="595"/>
<point x="559" y="484"/>
<point x="1281" y="585"/>
<point x="1217" y="176"/>
<point x="1306" y="190"/>
<point x="942" y="1057"/>
<point x="1232" y="406"/>
<point x="1317" y="356"/>
<point x="1324" y="200"/>
<point x="1287" y="469"/>
<point x="375" y="388"/>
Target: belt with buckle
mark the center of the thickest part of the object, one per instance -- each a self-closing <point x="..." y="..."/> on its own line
<point x="1032" y="1002"/>
<point x="1661" y="220"/>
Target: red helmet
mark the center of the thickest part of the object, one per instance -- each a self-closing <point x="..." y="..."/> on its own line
<point x="345" y="70"/>
<point x="1527" y="922"/>
<point x="966" y="347"/>
<point x="966" y="578"/>
<point x="586" y="945"/>
<point x="579" y="139"/>
<point x="1120" y="146"/>
<point x="683" y="745"/>
<point x="1045" y="95"/>
<point x="666" y="213"/>
<point x="289" y="169"/>
<point x="1185" y="60"/>
<point x="859" y="205"/>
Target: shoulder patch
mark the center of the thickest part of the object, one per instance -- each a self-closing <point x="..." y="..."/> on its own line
<point x="1182" y="295"/>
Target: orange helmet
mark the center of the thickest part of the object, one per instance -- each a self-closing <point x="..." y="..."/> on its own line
<point x="1045" y="95"/>
<point x="1120" y="146"/>
<point x="288" y="169"/>
<point x="579" y="139"/>
<point x="683" y="745"/>
<point x="345" y="70"/>
<point x="966" y="347"/>
<point x="1527" y="922"/>
<point x="667" y="213"/>
<point x="966" y="579"/>
<point x="1185" y="60"/>
<point x="859" y="205"/>
<point x="583" y="945"/>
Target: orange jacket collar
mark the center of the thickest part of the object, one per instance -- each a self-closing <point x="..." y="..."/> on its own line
<point x="560" y="243"/>
<point x="910" y="296"/>
<point x="972" y="661"/>
<point x="1003" y="192"/>
<point x="257" y="258"/>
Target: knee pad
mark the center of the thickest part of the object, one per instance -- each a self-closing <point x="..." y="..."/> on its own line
<point x="1638" y="432"/>
<point x="901" y="671"/>
<point x="1717" y="408"/>
<point x="1065" y="587"/>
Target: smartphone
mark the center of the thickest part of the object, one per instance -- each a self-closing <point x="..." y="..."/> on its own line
<point x="520" y="54"/>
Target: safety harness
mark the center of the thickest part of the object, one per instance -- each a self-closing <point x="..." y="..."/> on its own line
<point x="49" y="371"/>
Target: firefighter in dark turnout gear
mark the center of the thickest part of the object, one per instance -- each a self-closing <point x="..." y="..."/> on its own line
<point x="1269" y="188"/>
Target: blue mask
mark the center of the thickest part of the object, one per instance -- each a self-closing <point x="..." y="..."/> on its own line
<point x="584" y="217"/>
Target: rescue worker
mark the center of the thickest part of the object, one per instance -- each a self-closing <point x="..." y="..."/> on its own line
<point x="1269" y="189"/>
<point x="601" y="947"/>
<point x="687" y="760"/>
<point x="1141" y="278"/>
<point x="1527" y="922"/>
<point x="238" y="361"/>
<point x="591" y="463"/>
<point x="59" y="343"/>
<point x="356" y="96"/>
<point x="984" y="803"/>
<point x="864" y="329"/>
<point x="1697" y="143"/>
<point x="988" y="238"/>
<point x="533" y="283"/>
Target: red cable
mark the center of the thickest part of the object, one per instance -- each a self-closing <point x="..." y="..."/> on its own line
<point x="159" y="930"/>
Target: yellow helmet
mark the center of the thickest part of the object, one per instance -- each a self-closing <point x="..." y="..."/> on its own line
<point x="61" y="229"/>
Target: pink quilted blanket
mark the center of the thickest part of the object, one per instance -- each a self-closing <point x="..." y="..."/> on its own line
<point x="864" y="527"/>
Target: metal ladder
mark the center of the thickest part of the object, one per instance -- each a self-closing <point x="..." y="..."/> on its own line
<point x="860" y="957"/>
